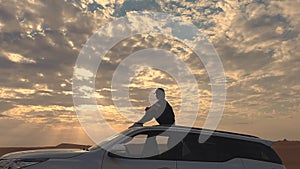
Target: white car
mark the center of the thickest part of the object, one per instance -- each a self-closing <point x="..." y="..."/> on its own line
<point x="156" y="147"/>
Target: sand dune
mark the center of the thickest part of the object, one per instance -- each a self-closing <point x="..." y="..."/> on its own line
<point x="289" y="151"/>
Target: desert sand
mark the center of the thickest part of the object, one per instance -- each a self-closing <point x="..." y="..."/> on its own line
<point x="289" y="152"/>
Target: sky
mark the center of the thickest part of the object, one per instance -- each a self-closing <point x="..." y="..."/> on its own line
<point x="256" y="41"/>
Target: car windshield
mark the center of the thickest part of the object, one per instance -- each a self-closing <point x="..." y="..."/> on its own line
<point x="108" y="140"/>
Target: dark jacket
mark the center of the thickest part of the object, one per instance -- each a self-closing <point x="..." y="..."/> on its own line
<point x="162" y="111"/>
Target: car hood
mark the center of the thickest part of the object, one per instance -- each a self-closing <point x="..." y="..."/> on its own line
<point x="45" y="153"/>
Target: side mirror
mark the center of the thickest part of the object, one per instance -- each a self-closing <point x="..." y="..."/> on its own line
<point x="117" y="150"/>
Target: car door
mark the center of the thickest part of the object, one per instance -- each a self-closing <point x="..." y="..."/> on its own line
<point x="146" y="150"/>
<point x="209" y="155"/>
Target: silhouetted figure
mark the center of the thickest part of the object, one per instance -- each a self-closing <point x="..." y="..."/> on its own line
<point x="161" y="111"/>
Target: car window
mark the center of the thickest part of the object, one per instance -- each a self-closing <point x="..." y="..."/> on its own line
<point x="162" y="142"/>
<point x="192" y="150"/>
<point x="258" y="151"/>
<point x="234" y="148"/>
<point x="110" y="140"/>
<point x="221" y="149"/>
<point x="152" y="145"/>
<point x="136" y="145"/>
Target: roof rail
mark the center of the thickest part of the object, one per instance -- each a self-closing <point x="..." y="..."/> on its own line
<point x="195" y="128"/>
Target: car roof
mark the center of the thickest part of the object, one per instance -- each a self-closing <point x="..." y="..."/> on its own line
<point x="219" y="133"/>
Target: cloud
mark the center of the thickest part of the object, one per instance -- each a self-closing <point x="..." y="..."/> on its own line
<point x="17" y="58"/>
<point x="47" y="115"/>
<point x="257" y="64"/>
<point x="1" y="116"/>
<point x="133" y="5"/>
<point x="256" y="41"/>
